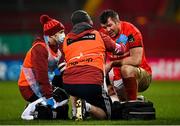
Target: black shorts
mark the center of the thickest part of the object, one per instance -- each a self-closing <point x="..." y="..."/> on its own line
<point x="91" y="93"/>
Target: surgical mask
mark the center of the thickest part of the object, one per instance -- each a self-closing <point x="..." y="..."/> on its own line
<point x="46" y="39"/>
<point x="61" y="38"/>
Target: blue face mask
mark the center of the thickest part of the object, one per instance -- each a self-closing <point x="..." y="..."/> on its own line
<point x="46" y="39"/>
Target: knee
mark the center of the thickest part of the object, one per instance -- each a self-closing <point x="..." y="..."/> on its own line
<point x="143" y="87"/>
<point x="127" y="71"/>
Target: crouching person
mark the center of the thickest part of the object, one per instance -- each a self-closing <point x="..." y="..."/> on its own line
<point x="44" y="56"/>
<point x="84" y="49"/>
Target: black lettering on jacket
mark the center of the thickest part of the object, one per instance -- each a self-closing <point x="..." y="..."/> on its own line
<point x="77" y="62"/>
<point x="85" y="37"/>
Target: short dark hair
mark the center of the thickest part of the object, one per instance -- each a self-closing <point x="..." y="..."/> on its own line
<point x="80" y="16"/>
<point x="106" y="14"/>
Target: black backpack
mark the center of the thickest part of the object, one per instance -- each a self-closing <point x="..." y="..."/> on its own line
<point x="136" y="110"/>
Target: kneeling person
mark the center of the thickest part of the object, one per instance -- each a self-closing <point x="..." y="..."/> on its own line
<point x="44" y="56"/>
<point x="84" y="49"/>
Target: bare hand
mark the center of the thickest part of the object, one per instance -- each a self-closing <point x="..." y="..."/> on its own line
<point x="108" y="67"/>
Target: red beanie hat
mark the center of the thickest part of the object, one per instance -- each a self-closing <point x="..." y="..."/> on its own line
<point x="50" y="26"/>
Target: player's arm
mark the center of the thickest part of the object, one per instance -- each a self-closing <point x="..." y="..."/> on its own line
<point x="135" y="49"/>
<point x="111" y="45"/>
<point x="134" y="59"/>
<point x="136" y="52"/>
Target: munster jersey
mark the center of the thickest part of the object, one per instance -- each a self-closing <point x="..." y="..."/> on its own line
<point x="132" y="38"/>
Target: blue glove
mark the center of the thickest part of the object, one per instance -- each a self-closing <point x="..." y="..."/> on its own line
<point x="51" y="75"/>
<point x="57" y="71"/>
<point x="122" y="39"/>
<point x="50" y="102"/>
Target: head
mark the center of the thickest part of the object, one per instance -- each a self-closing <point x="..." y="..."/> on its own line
<point x="109" y="20"/>
<point x="80" y="16"/>
<point x="53" y="30"/>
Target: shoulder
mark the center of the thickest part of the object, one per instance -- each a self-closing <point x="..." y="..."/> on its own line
<point x="129" y="26"/>
<point x="38" y="42"/>
<point x="131" y="31"/>
<point x="39" y="47"/>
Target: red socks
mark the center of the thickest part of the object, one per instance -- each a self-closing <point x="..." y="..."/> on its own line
<point x="130" y="85"/>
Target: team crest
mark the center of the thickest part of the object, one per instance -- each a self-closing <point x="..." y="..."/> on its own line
<point x="130" y="38"/>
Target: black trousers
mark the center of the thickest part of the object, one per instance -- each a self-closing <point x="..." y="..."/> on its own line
<point x="91" y="93"/>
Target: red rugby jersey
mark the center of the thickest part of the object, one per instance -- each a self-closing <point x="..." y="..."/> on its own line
<point x="134" y="40"/>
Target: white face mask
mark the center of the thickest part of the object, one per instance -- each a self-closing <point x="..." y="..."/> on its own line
<point x="61" y="38"/>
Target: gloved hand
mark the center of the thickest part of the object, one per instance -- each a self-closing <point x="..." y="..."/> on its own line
<point x="51" y="75"/>
<point x="57" y="72"/>
<point x="50" y="102"/>
<point x="122" y="39"/>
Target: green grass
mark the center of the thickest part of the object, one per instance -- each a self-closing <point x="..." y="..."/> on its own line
<point x="164" y="94"/>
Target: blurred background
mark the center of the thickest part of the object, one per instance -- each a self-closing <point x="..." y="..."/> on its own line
<point x="158" y="21"/>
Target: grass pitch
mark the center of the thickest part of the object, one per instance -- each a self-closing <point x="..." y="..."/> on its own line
<point x="164" y="94"/>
